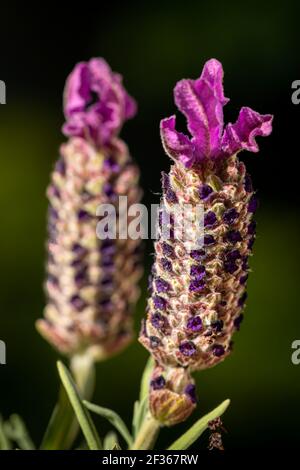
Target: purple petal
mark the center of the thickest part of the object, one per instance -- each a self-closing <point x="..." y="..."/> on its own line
<point x="202" y="101"/>
<point x="177" y="145"/>
<point x="242" y="134"/>
<point x="95" y="102"/>
<point x="77" y="91"/>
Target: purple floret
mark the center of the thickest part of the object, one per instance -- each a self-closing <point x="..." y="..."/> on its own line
<point x="166" y="264"/>
<point x="187" y="348"/>
<point x="154" y="342"/>
<point x="197" y="255"/>
<point x="205" y="191"/>
<point x="218" y="350"/>
<point x="210" y="219"/>
<point x="234" y="236"/>
<point x="230" y="216"/>
<point x="196" y="285"/>
<point x="194" y="324"/>
<point x="197" y="271"/>
<point x="158" y="383"/>
<point x="168" y="250"/>
<point x="159" y="302"/>
<point x="208" y="240"/>
<point x="162" y="285"/>
<point x="190" y="390"/>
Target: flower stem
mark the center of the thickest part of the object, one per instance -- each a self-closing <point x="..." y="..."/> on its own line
<point x="63" y="426"/>
<point x="147" y="434"/>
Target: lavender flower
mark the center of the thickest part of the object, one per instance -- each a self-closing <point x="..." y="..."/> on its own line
<point x="206" y="288"/>
<point x="91" y="283"/>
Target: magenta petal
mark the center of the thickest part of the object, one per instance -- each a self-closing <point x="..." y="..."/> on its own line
<point x="95" y="102"/>
<point x="77" y="89"/>
<point x="177" y="145"/>
<point x="241" y="135"/>
<point x="213" y="74"/>
<point x="202" y="101"/>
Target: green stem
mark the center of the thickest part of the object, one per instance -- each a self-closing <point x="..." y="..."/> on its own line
<point x="147" y="434"/>
<point x="63" y="426"/>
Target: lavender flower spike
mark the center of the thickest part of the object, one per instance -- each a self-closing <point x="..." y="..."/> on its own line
<point x="202" y="306"/>
<point x="91" y="283"/>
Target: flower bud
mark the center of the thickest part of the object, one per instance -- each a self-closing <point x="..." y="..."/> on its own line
<point x="172" y="395"/>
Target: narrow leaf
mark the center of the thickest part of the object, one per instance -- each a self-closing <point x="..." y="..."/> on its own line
<point x="135" y="417"/>
<point x="83" y="416"/>
<point x="63" y="426"/>
<point x="113" y="418"/>
<point x="189" y="437"/>
<point x="141" y="407"/>
<point x="146" y="378"/>
<point x="139" y="414"/>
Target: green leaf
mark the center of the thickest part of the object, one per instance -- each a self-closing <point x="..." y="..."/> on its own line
<point x="63" y="426"/>
<point x="139" y="413"/>
<point x="113" y="418"/>
<point x="146" y="378"/>
<point x="16" y="430"/>
<point x="189" y="437"/>
<point x="141" y="407"/>
<point x="110" y="441"/>
<point x="83" y="416"/>
<point x="135" y="417"/>
<point x="4" y="441"/>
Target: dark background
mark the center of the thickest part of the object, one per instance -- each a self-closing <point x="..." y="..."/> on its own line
<point x="153" y="45"/>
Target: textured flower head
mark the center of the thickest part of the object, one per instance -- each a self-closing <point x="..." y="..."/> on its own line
<point x="91" y="282"/>
<point x="198" y="295"/>
<point x="202" y="101"/>
<point x="95" y="102"/>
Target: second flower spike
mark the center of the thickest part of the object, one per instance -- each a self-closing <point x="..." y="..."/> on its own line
<point x="91" y="283"/>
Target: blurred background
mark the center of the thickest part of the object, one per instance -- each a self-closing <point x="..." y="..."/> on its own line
<point x="153" y="45"/>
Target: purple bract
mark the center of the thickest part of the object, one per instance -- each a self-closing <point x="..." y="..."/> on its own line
<point x="95" y="102"/>
<point x="202" y="101"/>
